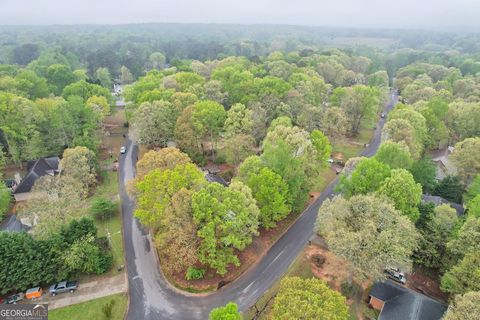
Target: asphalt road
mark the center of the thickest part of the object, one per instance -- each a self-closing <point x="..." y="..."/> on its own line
<point x="152" y="297"/>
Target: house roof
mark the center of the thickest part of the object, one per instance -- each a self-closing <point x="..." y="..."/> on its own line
<point x="214" y="178"/>
<point x="405" y="304"/>
<point x="12" y="224"/>
<point x="438" y="201"/>
<point x="37" y="169"/>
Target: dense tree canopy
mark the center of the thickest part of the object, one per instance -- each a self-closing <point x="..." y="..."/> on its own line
<point x="300" y="298"/>
<point x="368" y="232"/>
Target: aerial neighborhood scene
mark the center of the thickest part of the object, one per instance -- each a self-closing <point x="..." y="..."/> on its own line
<point x="255" y="160"/>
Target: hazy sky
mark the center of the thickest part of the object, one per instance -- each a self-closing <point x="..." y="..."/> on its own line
<point x="347" y="13"/>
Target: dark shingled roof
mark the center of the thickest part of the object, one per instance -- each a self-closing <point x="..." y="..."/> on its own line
<point x="438" y="201"/>
<point x="214" y="178"/>
<point x="404" y="304"/>
<point x="12" y="224"/>
<point x="37" y="169"/>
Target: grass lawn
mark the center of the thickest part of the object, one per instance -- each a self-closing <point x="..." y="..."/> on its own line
<point x="111" y="228"/>
<point x="92" y="310"/>
<point x="325" y="176"/>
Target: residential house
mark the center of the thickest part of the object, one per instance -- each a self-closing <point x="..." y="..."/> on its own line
<point x="396" y="302"/>
<point x="438" y="201"/>
<point x="211" y="177"/>
<point x="36" y="169"/>
<point x="445" y="167"/>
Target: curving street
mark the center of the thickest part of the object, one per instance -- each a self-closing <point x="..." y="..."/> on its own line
<point x="152" y="297"/>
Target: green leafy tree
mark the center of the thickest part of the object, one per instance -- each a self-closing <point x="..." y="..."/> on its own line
<point x="398" y="130"/>
<point x="157" y="188"/>
<point x="239" y="120"/>
<point x="85" y="256"/>
<point x="322" y="145"/>
<point x="153" y="123"/>
<point x="5" y="197"/>
<point x="473" y="189"/>
<point x="271" y="193"/>
<point x="238" y="147"/>
<point x="59" y="76"/>
<point x="187" y="137"/>
<point x="359" y="103"/>
<point x="432" y="245"/>
<point x="367" y="177"/>
<point x="424" y="171"/>
<point x="449" y="188"/>
<point x="99" y="105"/>
<point x="157" y="60"/>
<point x="177" y="240"/>
<point x="467" y="241"/>
<point x="465" y="307"/>
<point x="368" y="232"/>
<point x="103" y="208"/>
<point x="103" y="75"/>
<point x="250" y="166"/>
<point x="395" y="155"/>
<point x="466" y="157"/>
<point x="79" y="163"/>
<point x="405" y="193"/>
<point x="125" y="75"/>
<point x="473" y="207"/>
<point x="300" y="298"/>
<point x="463" y="277"/>
<point x="165" y="158"/>
<point x="227" y="219"/>
<point x="228" y="312"/>
<point x="208" y="118"/>
<point x="280" y="159"/>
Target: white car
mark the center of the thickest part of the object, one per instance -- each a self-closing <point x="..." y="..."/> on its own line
<point x="123" y="149"/>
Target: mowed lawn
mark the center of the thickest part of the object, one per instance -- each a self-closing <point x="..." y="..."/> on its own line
<point x="111" y="228"/>
<point x="92" y="310"/>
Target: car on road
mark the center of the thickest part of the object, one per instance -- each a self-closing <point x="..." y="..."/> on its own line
<point x="13" y="299"/>
<point x="396" y="275"/>
<point x="123" y="149"/>
<point x="63" y="286"/>
<point x="382" y="115"/>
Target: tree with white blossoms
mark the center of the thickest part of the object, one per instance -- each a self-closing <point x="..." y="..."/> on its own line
<point x="369" y="232"/>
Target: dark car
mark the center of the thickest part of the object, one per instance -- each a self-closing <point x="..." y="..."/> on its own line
<point x="63" y="286"/>
<point x="13" y="299"/>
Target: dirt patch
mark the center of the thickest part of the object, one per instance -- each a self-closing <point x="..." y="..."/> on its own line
<point x="426" y="284"/>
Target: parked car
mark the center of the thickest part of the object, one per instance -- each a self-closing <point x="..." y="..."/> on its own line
<point x="13" y="299"/>
<point x="34" y="293"/>
<point x="63" y="286"/>
<point x="382" y="115"/>
<point x="123" y="149"/>
<point x="396" y="275"/>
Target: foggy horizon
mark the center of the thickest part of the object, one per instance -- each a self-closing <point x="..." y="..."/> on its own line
<point x="365" y="14"/>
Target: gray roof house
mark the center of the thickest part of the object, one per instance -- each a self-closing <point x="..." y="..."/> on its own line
<point x="438" y="201"/>
<point x="36" y="169"/>
<point x="396" y="302"/>
<point x="445" y="167"/>
<point x="215" y="178"/>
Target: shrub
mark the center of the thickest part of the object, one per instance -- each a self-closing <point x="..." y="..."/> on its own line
<point x="194" y="273"/>
<point x="349" y="290"/>
<point x="103" y="209"/>
<point x="107" y="309"/>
